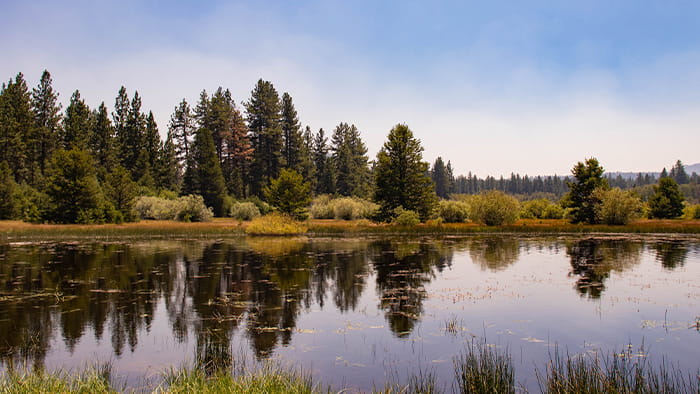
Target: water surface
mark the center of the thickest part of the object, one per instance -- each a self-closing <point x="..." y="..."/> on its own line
<point x="355" y="312"/>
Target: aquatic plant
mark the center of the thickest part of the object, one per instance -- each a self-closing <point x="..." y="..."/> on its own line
<point x="482" y="368"/>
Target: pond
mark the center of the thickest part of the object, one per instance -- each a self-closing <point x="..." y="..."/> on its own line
<point x="353" y="312"/>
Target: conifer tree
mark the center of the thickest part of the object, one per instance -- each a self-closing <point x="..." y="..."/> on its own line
<point x="181" y="129"/>
<point x="47" y="121"/>
<point x="322" y="164"/>
<point x="440" y="178"/>
<point x="169" y="175"/>
<point x="238" y="154"/>
<point x="349" y="161"/>
<point x="291" y="130"/>
<point x="289" y="193"/>
<point x="77" y="124"/>
<point x="203" y="175"/>
<point x="72" y="188"/>
<point x="263" y="114"/>
<point x="581" y="199"/>
<point x="667" y="201"/>
<point x="307" y="158"/>
<point x="121" y="192"/>
<point x="678" y="173"/>
<point x="132" y="141"/>
<point x="151" y="146"/>
<point x="7" y="191"/>
<point x="401" y="176"/>
<point x="16" y="123"/>
<point x="101" y="141"/>
<point x="120" y="116"/>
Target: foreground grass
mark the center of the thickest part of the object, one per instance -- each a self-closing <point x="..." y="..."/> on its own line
<point x="481" y="368"/>
<point x="226" y="227"/>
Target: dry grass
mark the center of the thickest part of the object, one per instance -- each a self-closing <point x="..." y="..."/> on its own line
<point x="229" y="226"/>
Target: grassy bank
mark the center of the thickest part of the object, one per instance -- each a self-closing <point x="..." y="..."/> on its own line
<point x="221" y="227"/>
<point x="480" y="368"/>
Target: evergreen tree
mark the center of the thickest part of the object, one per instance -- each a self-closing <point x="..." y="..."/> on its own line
<point x="324" y="169"/>
<point x="293" y="140"/>
<point x="203" y="175"/>
<point x="121" y="192"/>
<point x="168" y="172"/>
<point x="678" y="173"/>
<point x="667" y="201"/>
<point x="664" y="173"/>
<point x="72" y="188"/>
<point x="450" y="178"/>
<point x="440" y="178"/>
<point x="16" y="122"/>
<point x="119" y="118"/>
<point x="289" y="193"/>
<point x="181" y="130"/>
<point x="77" y="124"/>
<point x="132" y="141"/>
<point x="101" y="141"/>
<point x="7" y="192"/>
<point x="47" y="120"/>
<point x="263" y="113"/>
<point x="238" y="153"/>
<point x="349" y="161"/>
<point x="581" y="199"/>
<point x="401" y="176"/>
<point x="306" y="164"/>
<point x="151" y="149"/>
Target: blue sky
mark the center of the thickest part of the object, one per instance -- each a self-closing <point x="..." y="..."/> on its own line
<point x="496" y="87"/>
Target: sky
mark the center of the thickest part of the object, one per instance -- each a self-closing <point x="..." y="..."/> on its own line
<point x="495" y="87"/>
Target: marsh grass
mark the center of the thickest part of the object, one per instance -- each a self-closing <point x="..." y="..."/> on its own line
<point x="629" y="371"/>
<point x="269" y="378"/>
<point x="275" y="224"/>
<point x="482" y="368"/>
<point x="95" y="379"/>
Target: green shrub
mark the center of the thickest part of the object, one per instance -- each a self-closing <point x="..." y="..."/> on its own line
<point x="191" y="208"/>
<point x="275" y="224"/>
<point x="453" y="211"/>
<point x="494" y="208"/>
<point x="321" y="207"/>
<point x="187" y="208"/>
<point x="263" y="207"/>
<point x="554" y="211"/>
<point x="616" y="207"/>
<point x="244" y="211"/>
<point x="691" y="212"/>
<point x="289" y="193"/>
<point x="405" y="217"/>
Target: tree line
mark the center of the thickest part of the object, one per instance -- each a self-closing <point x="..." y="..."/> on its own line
<point x="87" y="164"/>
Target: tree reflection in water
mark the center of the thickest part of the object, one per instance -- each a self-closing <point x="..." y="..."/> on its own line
<point x="671" y="254"/>
<point x="494" y="253"/>
<point x="592" y="261"/>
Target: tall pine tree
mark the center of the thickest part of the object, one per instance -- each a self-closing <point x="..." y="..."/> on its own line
<point x="325" y="183"/>
<point x="291" y="130"/>
<point x="203" y="175"/>
<point x="101" y="140"/>
<point x="181" y="129"/>
<point x="263" y="113"/>
<point x="77" y="124"/>
<point x="16" y="123"/>
<point x="47" y="121"/>
<point x="401" y="176"/>
<point x="352" y="175"/>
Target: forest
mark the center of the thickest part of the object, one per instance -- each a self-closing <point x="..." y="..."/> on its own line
<point x="221" y="158"/>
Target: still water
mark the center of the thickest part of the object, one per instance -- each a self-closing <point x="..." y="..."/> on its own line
<point x="354" y="312"/>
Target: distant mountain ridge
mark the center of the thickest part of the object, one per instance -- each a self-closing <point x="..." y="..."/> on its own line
<point x="690" y="169"/>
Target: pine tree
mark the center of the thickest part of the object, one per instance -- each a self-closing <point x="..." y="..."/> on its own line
<point x="291" y="130"/>
<point x="401" y="176"/>
<point x="581" y="199"/>
<point x="238" y="154"/>
<point x="121" y="192"/>
<point x="289" y="193"/>
<point x="168" y="172"/>
<point x="263" y="113"/>
<point x="203" y="175"/>
<point x="16" y="123"/>
<point x="132" y="141"/>
<point x="101" y="141"/>
<point x="450" y="178"/>
<point x="440" y="178"/>
<point x="324" y="169"/>
<point x="349" y="161"/>
<point x="306" y="164"/>
<point x="77" y="124"/>
<point x="72" y="188"/>
<point x="119" y="118"/>
<point x="7" y="192"/>
<point x="678" y="173"/>
<point x="181" y="129"/>
<point x="47" y="121"/>
<point x="667" y="201"/>
<point x="151" y="149"/>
